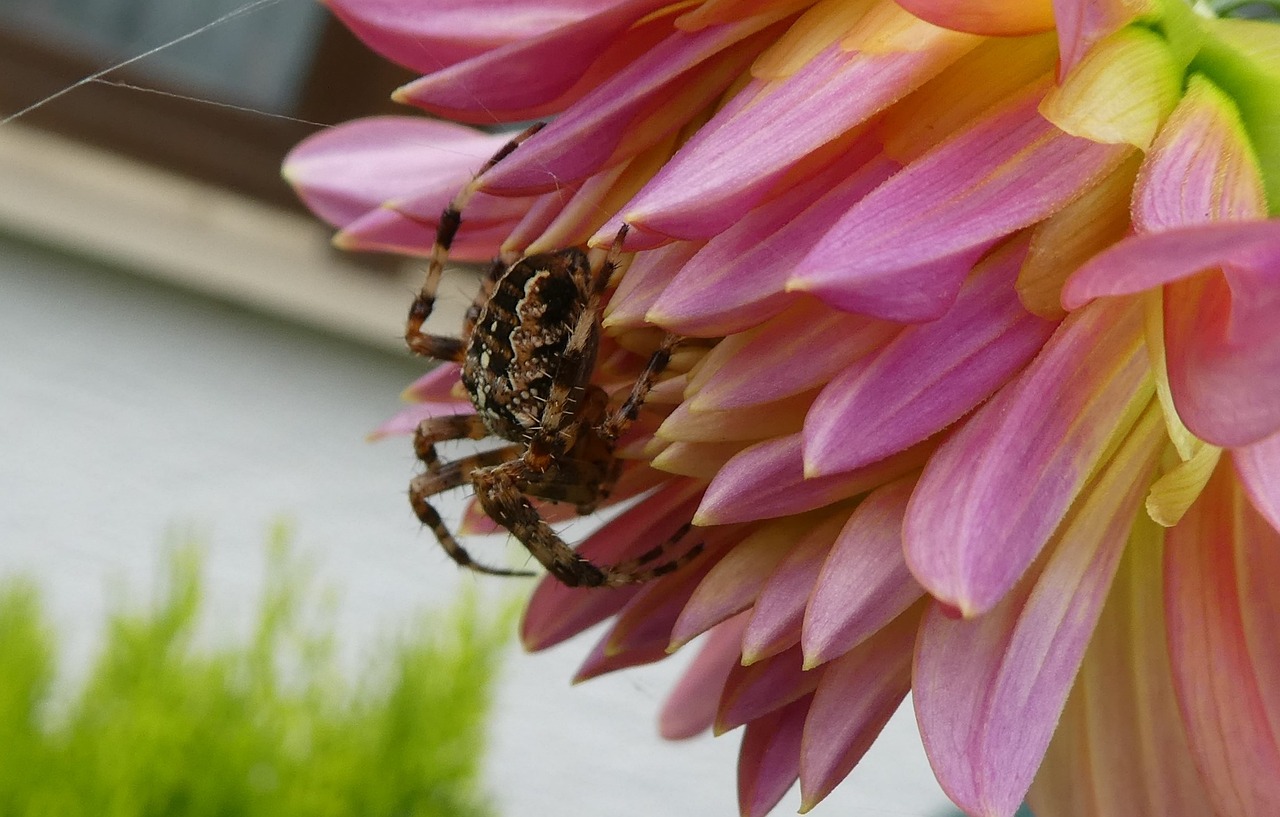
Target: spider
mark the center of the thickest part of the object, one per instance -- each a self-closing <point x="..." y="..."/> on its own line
<point x="527" y="351"/>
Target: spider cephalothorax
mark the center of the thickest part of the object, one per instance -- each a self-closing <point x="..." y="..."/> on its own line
<point x="528" y="352"/>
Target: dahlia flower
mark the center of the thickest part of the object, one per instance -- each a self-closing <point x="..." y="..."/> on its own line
<point x="987" y="405"/>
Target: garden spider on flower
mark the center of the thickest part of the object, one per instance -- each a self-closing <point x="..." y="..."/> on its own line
<point x="528" y="351"/>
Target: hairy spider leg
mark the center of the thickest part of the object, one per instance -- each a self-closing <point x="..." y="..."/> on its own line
<point x="502" y="493"/>
<point x="621" y="419"/>
<point x="442" y="347"/>
<point x="443" y="477"/>
<point x="557" y="433"/>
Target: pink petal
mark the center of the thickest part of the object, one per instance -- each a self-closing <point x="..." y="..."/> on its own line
<point x="1082" y="23"/>
<point x="769" y="759"/>
<point x="865" y="583"/>
<point x="1222" y="602"/>
<point x="930" y="375"/>
<point x="764" y="687"/>
<point x="442" y="383"/>
<point x="602" y="661"/>
<point x="779" y="608"/>
<point x="647" y="278"/>
<point x="428" y="40"/>
<point x="346" y="171"/>
<point x="556" y="612"/>
<point x="691" y="707"/>
<point x="649" y="99"/>
<point x="903" y="251"/>
<point x="786" y="355"/>
<point x="1258" y="467"/>
<point x="857" y="695"/>
<point x="767" y="480"/>
<point x="537" y="75"/>
<point x="988" y="691"/>
<point x="994" y="492"/>
<point x="738" y="279"/>
<point x="736" y="159"/>
<point x="1223" y="352"/>
<point x="1001" y="18"/>
<point x="386" y="230"/>
<point x="1120" y="749"/>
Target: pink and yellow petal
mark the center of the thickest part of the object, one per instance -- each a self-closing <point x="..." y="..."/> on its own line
<point x="993" y="493"/>
<point x="690" y="708"/>
<point x="1081" y="24"/>
<point x="902" y="252"/>
<point x="1258" y="467"/>
<point x="736" y="161"/>
<point x="1222" y="605"/>
<point x="1120" y="749"/>
<point x="988" y="691"/>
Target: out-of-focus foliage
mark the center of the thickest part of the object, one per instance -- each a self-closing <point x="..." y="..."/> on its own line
<point x="166" y="724"/>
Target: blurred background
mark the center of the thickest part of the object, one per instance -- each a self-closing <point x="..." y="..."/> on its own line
<point x="182" y="351"/>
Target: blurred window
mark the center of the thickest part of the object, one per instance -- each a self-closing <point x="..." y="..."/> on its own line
<point x="285" y="60"/>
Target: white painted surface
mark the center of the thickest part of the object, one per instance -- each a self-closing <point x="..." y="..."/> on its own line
<point x="127" y="408"/>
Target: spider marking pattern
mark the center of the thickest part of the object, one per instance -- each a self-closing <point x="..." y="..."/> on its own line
<point x="528" y="350"/>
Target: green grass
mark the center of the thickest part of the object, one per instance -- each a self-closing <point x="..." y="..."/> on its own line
<point x="165" y="724"/>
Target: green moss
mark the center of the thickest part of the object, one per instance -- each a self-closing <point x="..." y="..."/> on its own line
<point x="267" y="726"/>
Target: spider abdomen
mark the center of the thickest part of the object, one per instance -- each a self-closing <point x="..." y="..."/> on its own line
<point x="520" y="338"/>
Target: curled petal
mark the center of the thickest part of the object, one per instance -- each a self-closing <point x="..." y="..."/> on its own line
<point x="994" y="492"/>
<point x="903" y="251"/>
<point x="734" y="582"/>
<point x="929" y="376"/>
<point x="1223" y="352"/>
<point x="988" y="691"/>
<point x="1222" y="603"/>
<point x="786" y="355"/>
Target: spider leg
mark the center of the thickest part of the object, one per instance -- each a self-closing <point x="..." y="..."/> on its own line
<point x="502" y="490"/>
<point x="618" y="421"/>
<point x="445" y="427"/>
<point x="442" y="477"/>
<point x="439" y="346"/>
<point x="557" y="432"/>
